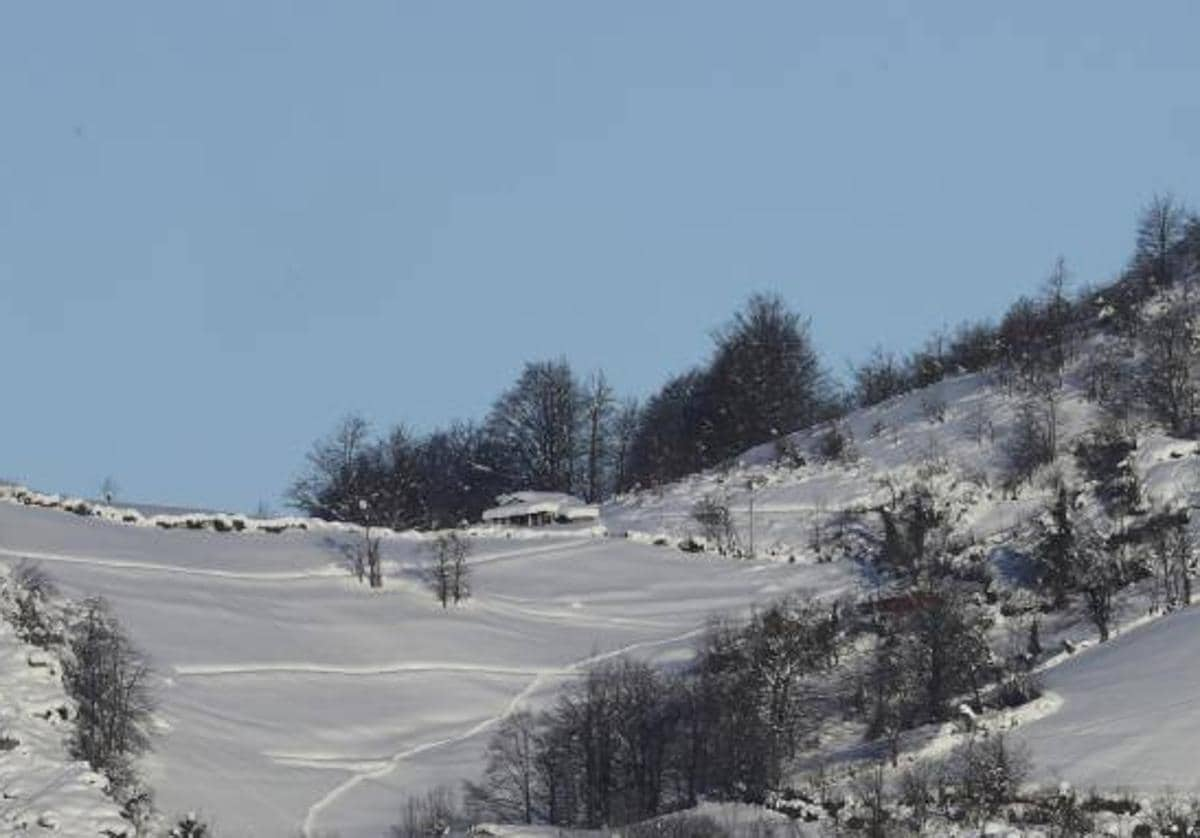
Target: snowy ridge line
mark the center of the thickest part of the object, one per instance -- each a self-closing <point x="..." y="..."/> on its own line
<point x="236" y="523"/>
<point x="511" y="707"/>
<point x="223" y="522"/>
<point x="151" y="567"/>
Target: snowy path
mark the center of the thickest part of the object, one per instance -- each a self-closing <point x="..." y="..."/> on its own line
<point x="511" y="707"/>
<point x="220" y="670"/>
<point x="332" y="570"/>
<point x="293" y="696"/>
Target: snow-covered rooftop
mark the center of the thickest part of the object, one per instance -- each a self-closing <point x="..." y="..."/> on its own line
<point x="555" y="504"/>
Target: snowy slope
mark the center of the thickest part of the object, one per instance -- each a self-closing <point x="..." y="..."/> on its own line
<point x="296" y="697"/>
<point x="895" y="441"/>
<point x="959" y="452"/>
<point x="1129" y="715"/>
<point x="43" y="790"/>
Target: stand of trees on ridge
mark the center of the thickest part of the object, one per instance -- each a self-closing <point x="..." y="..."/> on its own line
<point x="556" y="430"/>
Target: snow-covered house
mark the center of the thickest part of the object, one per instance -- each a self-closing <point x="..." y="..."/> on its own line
<point x="532" y="509"/>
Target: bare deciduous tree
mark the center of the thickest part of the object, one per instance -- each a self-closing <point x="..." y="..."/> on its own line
<point x="1100" y="575"/>
<point x="988" y="772"/>
<point x="765" y="379"/>
<point x="1160" y="229"/>
<point x="879" y="378"/>
<point x="110" y="682"/>
<point x="331" y="486"/>
<point x="598" y="414"/>
<point x="109" y="489"/>
<point x="1031" y="442"/>
<point x="716" y="523"/>
<point x="535" y="426"/>
<point x="434" y="814"/>
<point x="1170" y="368"/>
<point x="624" y="431"/>
<point x="450" y="573"/>
<point x="510" y="788"/>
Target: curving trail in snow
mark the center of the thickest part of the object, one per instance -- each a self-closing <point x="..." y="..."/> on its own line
<point x="140" y="566"/>
<point x="564" y="546"/>
<point x="221" y="670"/>
<point x="511" y="707"/>
<point x="330" y="700"/>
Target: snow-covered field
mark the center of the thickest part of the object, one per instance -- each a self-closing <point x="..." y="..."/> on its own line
<point x="1129" y="716"/>
<point x="42" y="790"/>
<point x="295" y="698"/>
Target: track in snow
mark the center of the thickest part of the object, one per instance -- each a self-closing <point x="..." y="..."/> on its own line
<point x="511" y="707"/>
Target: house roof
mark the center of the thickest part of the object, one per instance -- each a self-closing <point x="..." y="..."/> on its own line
<point x="556" y="504"/>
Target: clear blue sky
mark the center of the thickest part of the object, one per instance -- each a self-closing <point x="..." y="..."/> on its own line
<point x="223" y="225"/>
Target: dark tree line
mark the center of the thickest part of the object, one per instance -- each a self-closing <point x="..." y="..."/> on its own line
<point x="929" y="654"/>
<point x="550" y="431"/>
<point x="399" y="481"/>
<point x="555" y="431"/>
<point x="628" y="742"/>
<point x="765" y="380"/>
<point x="1037" y="335"/>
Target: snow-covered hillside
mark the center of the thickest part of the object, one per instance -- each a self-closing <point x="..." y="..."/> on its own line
<point x="1128" y="716"/>
<point x="951" y="435"/>
<point x="294" y="698"/>
<point x="42" y="789"/>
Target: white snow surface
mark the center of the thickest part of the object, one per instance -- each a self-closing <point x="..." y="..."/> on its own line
<point x="40" y="785"/>
<point x="294" y="698"/>
<point x="1128" y="714"/>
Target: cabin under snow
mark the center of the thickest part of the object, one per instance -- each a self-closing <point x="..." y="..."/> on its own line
<point x="535" y="509"/>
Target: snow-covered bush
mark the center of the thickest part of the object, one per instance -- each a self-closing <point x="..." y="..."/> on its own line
<point x="449" y="573"/>
<point x="109" y="679"/>
<point x="436" y="813"/>
<point x="190" y="826"/>
<point x="836" y="444"/>
<point x="1018" y="687"/>
<point x="986" y="773"/>
<point x="716" y="523"/>
<point x="1031" y="442"/>
<point x="29" y="592"/>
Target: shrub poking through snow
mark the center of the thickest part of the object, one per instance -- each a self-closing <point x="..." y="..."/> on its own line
<point x="110" y="682"/>
<point x="987" y="772"/>
<point x="437" y="813"/>
<point x="716" y="524"/>
<point x="1030" y="444"/>
<point x="33" y="621"/>
<point x="190" y="826"/>
<point x="450" y="575"/>
<point x="836" y="444"/>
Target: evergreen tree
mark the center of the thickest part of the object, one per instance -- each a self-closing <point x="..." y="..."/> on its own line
<point x="1056" y="551"/>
